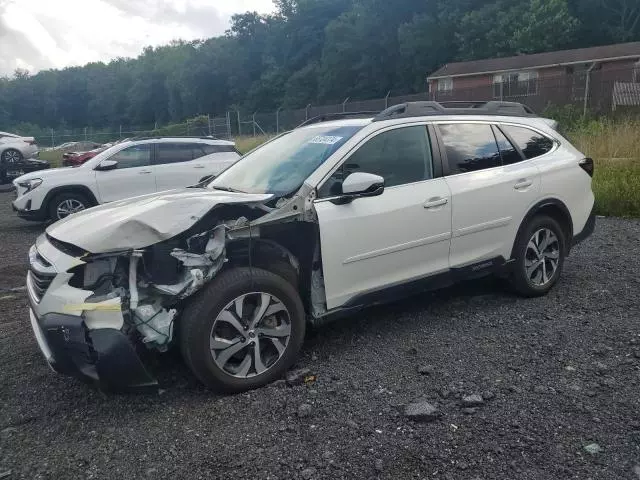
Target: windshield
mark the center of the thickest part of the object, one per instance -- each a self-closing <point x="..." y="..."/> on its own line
<point x="281" y="166"/>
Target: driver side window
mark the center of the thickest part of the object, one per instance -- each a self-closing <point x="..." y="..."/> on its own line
<point x="400" y="156"/>
<point x="134" y="156"/>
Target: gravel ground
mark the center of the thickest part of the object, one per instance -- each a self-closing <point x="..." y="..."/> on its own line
<point x="559" y="379"/>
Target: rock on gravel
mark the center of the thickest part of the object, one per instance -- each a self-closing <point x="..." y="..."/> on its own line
<point x="593" y="448"/>
<point x="421" y="412"/>
<point x="308" y="473"/>
<point x="305" y="410"/>
<point x="474" y="400"/>
<point x="426" y="370"/>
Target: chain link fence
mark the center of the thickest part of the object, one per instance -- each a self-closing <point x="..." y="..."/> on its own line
<point x="599" y="92"/>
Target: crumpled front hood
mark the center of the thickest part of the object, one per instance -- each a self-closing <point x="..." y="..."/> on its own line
<point x="143" y="221"/>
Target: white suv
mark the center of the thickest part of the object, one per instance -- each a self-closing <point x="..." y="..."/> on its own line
<point x="317" y="223"/>
<point x="128" y="169"/>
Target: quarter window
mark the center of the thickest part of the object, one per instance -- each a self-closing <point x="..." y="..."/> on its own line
<point x="469" y="147"/>
<point x="532" y="144"/>
<point x="134" y="156"/>
<point x="508" y="152"/>
<point x="400" y="156"/>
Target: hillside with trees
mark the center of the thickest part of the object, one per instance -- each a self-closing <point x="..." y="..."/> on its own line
<point x="308" y="51"/>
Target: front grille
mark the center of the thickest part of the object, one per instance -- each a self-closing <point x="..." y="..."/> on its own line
<point x="41" y="274"/>
<point x="39" y="282"/>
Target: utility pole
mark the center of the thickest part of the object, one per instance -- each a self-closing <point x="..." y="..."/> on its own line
<point x="278" y="120"/>
<point x="254" y="123"/>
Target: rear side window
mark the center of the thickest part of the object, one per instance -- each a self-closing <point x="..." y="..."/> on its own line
<point x="532" y="144"/>
<point x="469" y="147"/>
<point x="211" y="149"/>
<point x="174" y="153"/>
<point x="508" y="152"/>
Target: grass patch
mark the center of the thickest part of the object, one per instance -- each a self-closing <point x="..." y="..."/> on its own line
<point x="246" y="144"/>
<point x="616" y="186"/>
<point x="615" y="148"/>
<point x="54" y="157"/>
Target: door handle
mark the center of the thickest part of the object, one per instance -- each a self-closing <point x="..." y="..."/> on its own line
<point x="522" y="184"/>
<point x="144" y="172"/>
<point x="436" y="202"/>
<point x="198" y="166"/>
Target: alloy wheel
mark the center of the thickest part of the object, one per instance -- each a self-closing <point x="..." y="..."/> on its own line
<point x="68" y="207"/>
<point x="11" y="156"/>
<point x="542" y="257"/>
<point x="250" y="334"/>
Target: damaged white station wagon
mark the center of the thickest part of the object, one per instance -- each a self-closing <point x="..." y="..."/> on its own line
<point x="321" y="221"/>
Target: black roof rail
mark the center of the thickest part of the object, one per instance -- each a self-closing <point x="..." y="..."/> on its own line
<point x="197" y="137"/>
<point x="423" y="109"/>
<point x="337" y="116"/>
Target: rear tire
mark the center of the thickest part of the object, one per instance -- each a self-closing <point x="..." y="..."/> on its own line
<point x="65" y="204"/>
<point x="229" y="338"/>
<point x="539" y="254"/>
<point x="11" y="155"/>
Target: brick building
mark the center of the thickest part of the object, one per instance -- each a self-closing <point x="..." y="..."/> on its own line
<point x="598" y="78"/>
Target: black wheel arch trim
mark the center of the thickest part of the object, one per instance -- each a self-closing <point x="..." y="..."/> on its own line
<point x="83" y="189"/>
<point x="537" y="208"/>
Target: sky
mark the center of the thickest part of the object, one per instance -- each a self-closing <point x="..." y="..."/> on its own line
<point x="42" y="34"/>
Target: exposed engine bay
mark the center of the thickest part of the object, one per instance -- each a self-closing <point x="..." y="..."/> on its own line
<point x="142" y="291"/>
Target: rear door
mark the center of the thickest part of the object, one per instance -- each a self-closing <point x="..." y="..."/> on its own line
<point x="492" y="188"/>
<point x="174" y="166"/>
<point x="133" y="176"/>
<point x="216" y="158"/>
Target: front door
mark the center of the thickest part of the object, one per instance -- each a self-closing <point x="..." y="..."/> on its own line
<point x="399" y="236"/>
<point x="132" y="177"/>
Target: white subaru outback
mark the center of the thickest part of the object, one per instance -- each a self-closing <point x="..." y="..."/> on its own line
<point x="128" y="169"/>
<point x="317" y="223"/>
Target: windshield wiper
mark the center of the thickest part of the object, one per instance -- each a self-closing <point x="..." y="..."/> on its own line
<point x="228" y="189"/>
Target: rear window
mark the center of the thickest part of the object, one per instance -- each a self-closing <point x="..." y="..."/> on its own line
<point x="532" y="144"/>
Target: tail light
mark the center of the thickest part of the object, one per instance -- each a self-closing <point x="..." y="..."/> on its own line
<point x="587" y="165"/>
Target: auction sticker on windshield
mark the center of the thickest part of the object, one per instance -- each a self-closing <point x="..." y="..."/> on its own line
<point x="325" y="140"/>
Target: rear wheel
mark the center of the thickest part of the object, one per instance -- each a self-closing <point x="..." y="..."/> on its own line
<point x="243" y="331"/>
<point x="539" y="254"/>
<point x="65" y="204"/>
<point x="11" y="156"/>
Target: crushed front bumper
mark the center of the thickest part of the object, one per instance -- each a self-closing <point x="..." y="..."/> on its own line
<point x="104" y="356"/>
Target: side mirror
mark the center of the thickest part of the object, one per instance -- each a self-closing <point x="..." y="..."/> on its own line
<point x="361" y="184"/>
<point x="107" y="165"/>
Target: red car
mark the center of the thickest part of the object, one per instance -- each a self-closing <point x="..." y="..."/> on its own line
<point x="74" y="159"/>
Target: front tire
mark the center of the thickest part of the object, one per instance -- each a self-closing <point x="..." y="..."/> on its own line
<point x="65" y="204"/>
<point x="243" y="331"/>
<point x="539" y="254"/>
